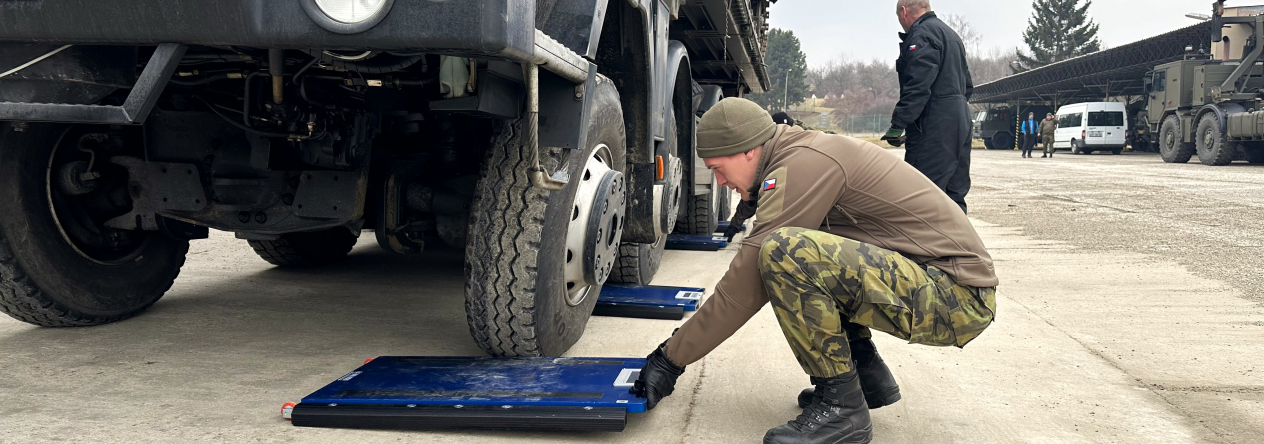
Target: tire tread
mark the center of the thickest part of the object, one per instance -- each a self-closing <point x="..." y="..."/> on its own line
<point x="21" y="299"/>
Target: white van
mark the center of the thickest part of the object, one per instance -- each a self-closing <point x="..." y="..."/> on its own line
<point x="1087" y="127"/>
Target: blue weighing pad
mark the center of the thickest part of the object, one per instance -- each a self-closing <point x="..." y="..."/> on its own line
<point x="397" y="392"/>
<point x="647" y="301"/>
<point x="696" y="242"/>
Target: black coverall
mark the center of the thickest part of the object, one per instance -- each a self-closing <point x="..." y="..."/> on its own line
<point x="935" y="89"/>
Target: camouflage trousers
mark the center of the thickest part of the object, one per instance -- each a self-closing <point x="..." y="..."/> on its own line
<point x="826" y="290"/>
<point x="1048" y="140"/>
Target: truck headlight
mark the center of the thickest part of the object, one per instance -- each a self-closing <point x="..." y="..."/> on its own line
<point x="347" y="16"/>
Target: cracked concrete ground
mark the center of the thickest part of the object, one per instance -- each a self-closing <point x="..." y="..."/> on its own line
<point x="1129" y="312"/>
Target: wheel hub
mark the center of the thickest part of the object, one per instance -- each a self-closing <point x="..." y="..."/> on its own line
<point x="596" y="226"/>
<point x="83" y="192"/>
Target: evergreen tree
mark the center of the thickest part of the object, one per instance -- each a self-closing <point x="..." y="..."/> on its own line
<point x="784" y="57"/>
<point x="1058" y="30"/>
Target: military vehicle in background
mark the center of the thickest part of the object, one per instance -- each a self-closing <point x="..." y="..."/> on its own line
<point x="995" y="127"/>
<point x="552" y="140"/>
<point x="1209" y="104"/>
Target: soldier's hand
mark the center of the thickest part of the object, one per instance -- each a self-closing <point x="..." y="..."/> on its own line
<point x="658" y="378"/>
<point x="731" y="231"/>
<point x="894" y="137"/>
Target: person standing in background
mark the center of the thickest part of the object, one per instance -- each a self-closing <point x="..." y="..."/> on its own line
<point x="1047" y="128"/>
<point x="1029" y="134"/>
<point x="935" y="90"/>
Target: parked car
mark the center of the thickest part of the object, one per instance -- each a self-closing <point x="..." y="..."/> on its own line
<point x="1087" y="127"/>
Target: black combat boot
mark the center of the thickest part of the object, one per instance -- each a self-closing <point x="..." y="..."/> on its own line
<point x="836" y="415"/>
<point x="879" y="384"/>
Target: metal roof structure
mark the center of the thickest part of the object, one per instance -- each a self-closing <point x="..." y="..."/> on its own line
<point x="726" y="41"/>
<point x="1109" y="73"/>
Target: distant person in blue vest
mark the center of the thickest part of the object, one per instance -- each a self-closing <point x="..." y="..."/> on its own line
<point x="1031" y="130"/>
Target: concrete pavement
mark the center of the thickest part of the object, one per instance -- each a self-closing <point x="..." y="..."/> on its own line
<point x="1128" y="312"/>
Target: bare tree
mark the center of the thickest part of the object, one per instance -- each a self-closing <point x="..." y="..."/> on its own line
<point x="992" y="66"/>
<point x="969" y="36"/>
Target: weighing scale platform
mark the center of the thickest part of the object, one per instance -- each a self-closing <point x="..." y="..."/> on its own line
<point x="394" y="392"/>
<point x="696" y="242"/>
<point x="647" y="301"/>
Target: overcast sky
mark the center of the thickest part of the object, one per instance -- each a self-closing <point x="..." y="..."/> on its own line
<point x="866" y="29"/>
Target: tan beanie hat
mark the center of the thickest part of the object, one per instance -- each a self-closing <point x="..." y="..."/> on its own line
<point x="733" y="126"/>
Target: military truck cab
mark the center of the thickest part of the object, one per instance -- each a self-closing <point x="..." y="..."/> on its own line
<point x="1208" y="104"/>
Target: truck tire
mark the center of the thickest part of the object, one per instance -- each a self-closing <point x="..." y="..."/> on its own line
<point x="1213" y="146"/>
<point x="1171" y="148"/>
<point x="700" y="214"/>
<point x="1003" y="141"/>
<point x="987" y="143"/>
<point x="59" y="265"/>
<point x="522" y="294"/>
<point x="638" y="263"/>
<point x="1117" y="151"/>
<point x="1255" y="153"/>
<point x="726" y="204"/>
<point x="310" y="249"/>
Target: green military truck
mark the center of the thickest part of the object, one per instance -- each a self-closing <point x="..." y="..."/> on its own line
<point x="995" y="127"/>
<point x="1209" y="105"/>
<point x="552" y="140"/>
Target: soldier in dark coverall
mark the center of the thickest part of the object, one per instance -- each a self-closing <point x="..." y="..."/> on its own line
<point x="935" y="88"/>
<point x="848" y="239"/>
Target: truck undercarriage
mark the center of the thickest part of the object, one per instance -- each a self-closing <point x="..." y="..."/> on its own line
<point x="552" y="142"/>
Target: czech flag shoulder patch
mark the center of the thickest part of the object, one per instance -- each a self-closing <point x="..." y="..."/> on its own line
<point x="770" y="184"/>
<point x="913" y="48"/>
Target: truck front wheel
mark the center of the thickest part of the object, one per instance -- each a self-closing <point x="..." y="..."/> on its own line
<point x="1214" y="148"/>
<point x="536" y="260"/>
<point x="1003" y="141"/>
<point x="60" y="264"/>
<point x="1171" y="148"/>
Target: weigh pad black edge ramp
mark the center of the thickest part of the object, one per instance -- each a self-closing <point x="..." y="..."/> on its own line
<point x="470" y="417"/>
<point x="696" y="242"/>
<point x="639" y="311"/>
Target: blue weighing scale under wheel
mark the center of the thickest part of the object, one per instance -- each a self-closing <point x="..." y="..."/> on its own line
<point x="696" y="242"/>
<point x="555" y="394"/>
<point x="647" y="301"/>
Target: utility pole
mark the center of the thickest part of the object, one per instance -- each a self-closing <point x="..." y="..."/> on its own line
<point x="785" y="100"/>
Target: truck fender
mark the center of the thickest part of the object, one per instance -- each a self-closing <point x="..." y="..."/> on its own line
<point x="1222" y="112"/>
<point x="677" y="59"/>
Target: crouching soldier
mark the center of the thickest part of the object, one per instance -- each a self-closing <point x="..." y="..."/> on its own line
<point x="848" y="239"/>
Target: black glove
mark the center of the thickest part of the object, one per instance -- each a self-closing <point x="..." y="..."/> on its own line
<point x="731" y="231"/>
<point x="658" y="378"/>
<point x="895" y="137"/>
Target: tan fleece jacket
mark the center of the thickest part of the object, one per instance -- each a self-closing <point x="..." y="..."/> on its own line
<point x="847" y="187"/>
